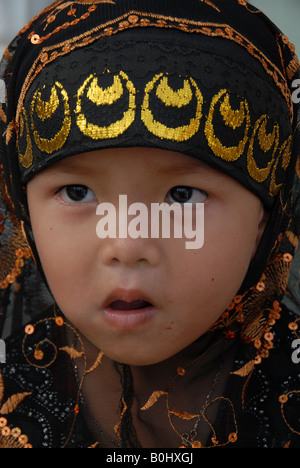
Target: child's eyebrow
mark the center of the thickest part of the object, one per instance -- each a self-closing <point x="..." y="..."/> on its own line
<point x="188" y="167"/>
<point x="68" y="166"/>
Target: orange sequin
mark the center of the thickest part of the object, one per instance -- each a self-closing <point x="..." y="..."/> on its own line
<point x="23" y="439"/>
<point x="268" y="336"/>
<point x="59" y="321"/>
<point x="180" y="371"/>
<point x="16" y="432"/>
<point x="3" y="422"/>
<point x="29" y="329"/>
<point x="260" y="286"/>
<point x="35" y="39"/>
<point x="257" y="343"/>
<point x="196" y="444"/>
<point x="287" y="257"/>
<point x="232" y="437"/>
<point x="283" y="398"/>
<point x="38" y="354"/>
<point x="5" y="431"/>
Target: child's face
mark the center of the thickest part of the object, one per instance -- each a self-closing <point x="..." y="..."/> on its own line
<point x="182" y="292"/>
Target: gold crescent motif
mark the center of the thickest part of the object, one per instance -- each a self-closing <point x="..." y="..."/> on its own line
<point x="176" y="99"/>
<point x="285" y="154"/>
<point x="266" y="143"/>
<point x="44" y="111"/>
<point x="233" y="119"/>
<point x="26" y="159"/>
<point x="106" y="96"/>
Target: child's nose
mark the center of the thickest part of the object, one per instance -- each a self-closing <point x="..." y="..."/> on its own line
<point x="130" y="252"/>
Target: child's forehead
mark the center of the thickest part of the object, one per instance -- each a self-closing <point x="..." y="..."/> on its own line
<point x="156" y="160"/>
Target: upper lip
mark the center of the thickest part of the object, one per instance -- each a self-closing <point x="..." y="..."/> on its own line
<point x="126" y="295"/>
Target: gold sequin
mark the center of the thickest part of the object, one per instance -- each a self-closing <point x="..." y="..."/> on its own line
<point x="267" y="142"/>
<point x="105" y="97"/>
<point x="232" y="119"/>
<point x="44" y="111"/>
<point x="171" y="98"/>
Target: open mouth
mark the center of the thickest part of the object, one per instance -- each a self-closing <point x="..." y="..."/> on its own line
<point x="128" y="309"/>
<point x="132" y="305"/>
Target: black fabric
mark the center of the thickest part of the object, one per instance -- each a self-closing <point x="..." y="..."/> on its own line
<point x="47" y="413"/>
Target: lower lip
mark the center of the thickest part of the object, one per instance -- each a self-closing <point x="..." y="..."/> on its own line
<point x="128" y="319"/>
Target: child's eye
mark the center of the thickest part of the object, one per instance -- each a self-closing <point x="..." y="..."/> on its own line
<point x="182" y="194"/>
<point x="77" y="194"/>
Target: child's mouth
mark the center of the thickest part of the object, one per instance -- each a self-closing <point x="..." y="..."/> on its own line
<point x="128" y="309"/>
<point x="133" y="305"/>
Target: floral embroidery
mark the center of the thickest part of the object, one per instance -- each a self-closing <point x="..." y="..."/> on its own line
<point x="59" y="8"/>
<point x="11" y="438"/>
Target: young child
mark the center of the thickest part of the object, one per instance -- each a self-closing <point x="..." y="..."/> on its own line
<point x="116" y="337"/>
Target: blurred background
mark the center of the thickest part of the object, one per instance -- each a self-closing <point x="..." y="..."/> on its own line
<point x="285" y="14"/>
<point x="14" y="14"/>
